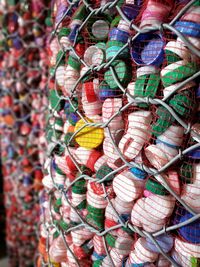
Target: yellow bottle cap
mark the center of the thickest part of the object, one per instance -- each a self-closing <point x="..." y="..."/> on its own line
<point x="89" y="136"/>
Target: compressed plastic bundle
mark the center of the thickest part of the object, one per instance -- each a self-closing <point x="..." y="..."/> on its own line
<point x="121" y="179"/>
<point x="25" y="26"/>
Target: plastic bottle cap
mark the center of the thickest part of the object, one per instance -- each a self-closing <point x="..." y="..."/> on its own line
<point x="147" y="85"/>
<point x="122" y="72"/>
<point x="111" y="240"/>
<point x="147" y="70"/>
<point x="126" y="187"/>
<point x="148" y="49"/>
<point x="131" y="10"/>
<point x="156" y="188"/>
<point x="94" y="56"/>
<point x="74" y="63"/>
<point x="188" y="28"/>
<point x="114" y="50"/>
<point x="100" y="29"/>
<point x="138" y="173"/>
<point x="171" y="88"/>
<point x="63" y="32"/>
<point x="103" y="171"/>
<point x="118" y="35"/>
<point x="179" y="49"/>
<point x="177" y="72"/>
<point x="88" y="137"/>
<point x="164" y="206"/>
<point x="89" y="92"/>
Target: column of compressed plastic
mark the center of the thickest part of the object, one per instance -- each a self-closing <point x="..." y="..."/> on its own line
<point x="23" y="77"/>
<point x="121" y="179"/>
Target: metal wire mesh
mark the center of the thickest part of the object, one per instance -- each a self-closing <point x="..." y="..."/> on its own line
<point x="122" y="179"/>
<point x="23" y="104"/>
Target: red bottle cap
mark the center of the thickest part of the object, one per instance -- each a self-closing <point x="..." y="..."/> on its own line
<point x="92" y="159"/>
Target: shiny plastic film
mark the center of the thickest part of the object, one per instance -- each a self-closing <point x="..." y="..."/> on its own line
<point x="122" y="176"/>
<point x="25" y="26"/>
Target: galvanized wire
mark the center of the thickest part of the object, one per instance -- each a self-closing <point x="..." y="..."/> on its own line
<point x="158" y="174"/>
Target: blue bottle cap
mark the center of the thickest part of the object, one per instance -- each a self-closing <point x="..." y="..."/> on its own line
<point x="188" y="28"/>
<point x="124" y="262"/>
<point x="118" y="35"/>
<point x="73" y="117"/>
<point x="124" y="217"/>
<point x="10" y="152"/>
<point x="138" y="173"/>
<point x="198" y="92"/>
<point x="73" y="33"/>
<point x="147" y="49"/>
<point x="27" y="180"/>
<point x="190" y="232"/>
<point x="98" y="256"/>
<point x="138" y="264"/>
<point x="166" y="242"/>
<point x="17" y="43"/>
<point x="131" y="11"/>
<point x="194" y="154"/>
<point x="106" y="92"/>
<point x="54" y="165"/>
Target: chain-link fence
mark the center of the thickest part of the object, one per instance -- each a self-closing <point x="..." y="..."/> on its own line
<point x="23" y="77"/>
<point x="122" y="176"/>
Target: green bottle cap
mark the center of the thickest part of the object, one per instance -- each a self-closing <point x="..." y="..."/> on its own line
<point x="60" y="57"/>
<point x="59" y="171"/>
<point x="186" y="173"/>
<point x="74" y="63"/>
<point x="63" y="32"/>
<point x="147" y="85"/>
<point x="101" y="45"/>
<point x="80" y="183"/>
<point x="81" y="13"/>
<point x="115" y="21"/>
<point x="48" y="22"/>
<point x="123" y="74"/>
<point x="195" y="262"/>
<point x="67" y="138"/>
<point x="196" y="3"/>
<point x="95" y="221"/>
<point x="78" y="190"/>
<point x="178" y="74"/>
<point x="110" y="239"/>
<point x="59" y="122"/>
<point x="51" y="71"/>
<point x="95" y="211"/>
<point x="183" y="102"/>
<point x="59" y="149"/>
<point x="103" y="171"/>
<point x="163" y="122"/>
<point x="82" y="205"/>
<point x="59" y="202"/>
<point x="79" y="187"/>
<point x="156" y="188"/>
<point x="114" y="43"/>
<point x="63" y="225"/>
<point x="56" y="234"/>
<point x="49" y="135"/>
<point x="54" y="99"/>
<point x="97" y="263"/>
<point x="57" y="205"/>
<point x="171" y="57"/>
